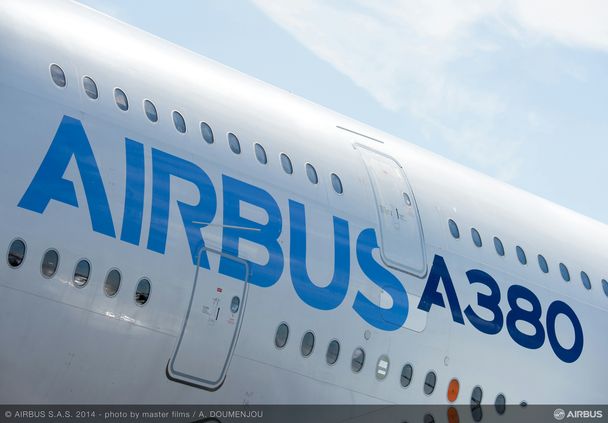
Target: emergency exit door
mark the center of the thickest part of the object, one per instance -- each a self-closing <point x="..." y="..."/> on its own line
<point x="401" y="238"/>
<point x="211" y="327"/>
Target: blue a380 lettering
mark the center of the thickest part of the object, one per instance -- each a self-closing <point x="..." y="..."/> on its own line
<point x="71" y="141"/>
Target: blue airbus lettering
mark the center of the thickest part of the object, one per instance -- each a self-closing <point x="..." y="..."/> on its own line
<point x="71" y="142"/>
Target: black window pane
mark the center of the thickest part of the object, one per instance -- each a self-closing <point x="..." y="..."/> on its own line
<point x="406" y="375"/>
<point x="333" y="351"/>
<point x="260" y="154"/>
<point x="142" y="293"/>
<point x="454" y="229"/>
<point x="312" y="174"/>
<point x="90" y="88"/>
<point x="234" y="143"/>
<point x="121" y="99"/>
<point x="50" y="261"/>
<point x="150" y="110"/>
<point x="336" y="183"/>
<point x="586" y="281"/>
<point x="112" y="283"/>
<point x="286" y="163"/>
<point x="564" y="271"/>
<point x="500" y="404"/>
<point x="82" y="272"/>
<point x="207" y="133"/>
<point x="16" y="253"/>
<point x="357" y="360"/>
<point x="521" y="255"/>
<point x="500" y="249"/>
<point x="280" y="338"/>
<point x="308" y="344"/>
<point x="179" y="122"/>
<point x="58" y="76"/>
<point x="542" y="263"/>
<point x="476" y="237"/>
<point x="429" y="383"/>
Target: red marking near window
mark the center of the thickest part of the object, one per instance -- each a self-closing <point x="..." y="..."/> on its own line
<point x="219" y="290"/>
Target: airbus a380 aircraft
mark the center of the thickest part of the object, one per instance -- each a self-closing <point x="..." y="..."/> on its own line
<point x="177" y="232"/>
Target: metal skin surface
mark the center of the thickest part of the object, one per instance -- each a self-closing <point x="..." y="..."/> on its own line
<point x="312" y="255"/>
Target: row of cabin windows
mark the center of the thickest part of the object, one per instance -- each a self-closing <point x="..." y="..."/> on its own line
<point x="522" y="258"/>
<point x="357" y="362"/>
<point x="90" y="88"/>
<point x="82" y="271"/>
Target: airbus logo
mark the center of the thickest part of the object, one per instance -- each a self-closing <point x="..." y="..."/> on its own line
<point x="72" y="144"/>
<point x="561" y="414"/>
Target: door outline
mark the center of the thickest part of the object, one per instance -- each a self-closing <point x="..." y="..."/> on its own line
<point x="387" y="261"/>
<point x="192" y="380"/>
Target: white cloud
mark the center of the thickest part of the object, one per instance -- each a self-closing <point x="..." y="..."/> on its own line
<point x="410" y="55"/>
<point x="579" y="23"/>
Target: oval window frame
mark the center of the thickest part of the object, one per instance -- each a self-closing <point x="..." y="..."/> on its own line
<point x="312" y="348"/>
<point x="49" y="250"/>
<point x="105" y="280"/>
<point x="55" y="83"/>
<point x="117" y="91"/>
<point x="151" y="103"/>
<point x="86" y="78"/>
<point x="276" y="336"/>
<point x="78" y="285"/>
<point x="8" y="252"/>
<point x="454" y="230"/>
<point x="140" y="280"/>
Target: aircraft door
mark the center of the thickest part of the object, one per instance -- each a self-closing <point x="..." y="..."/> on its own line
<point x="401" y="238"/>
<point x="211" y="326"/>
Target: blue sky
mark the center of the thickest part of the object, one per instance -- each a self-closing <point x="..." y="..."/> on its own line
<point x="517" y="89"/>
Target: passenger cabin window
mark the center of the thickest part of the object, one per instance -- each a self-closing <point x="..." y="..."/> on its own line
<point x="150" y="110"/>
<point x="542" y="263"/>
<point x="521" y="255"/>
<point x="260" y="154"/>
<point x="476" y="237"/>
<point x="16" y="253"/>
<point x="82" y="273"/>
<point x="476" y="396"/>
<point x="585" y="280"/>
<point x="233" y="143"/>
<point x="564" y="271"/>
<point x="179" y="122"/>
<point x="308" y="344"/>
<point x="90" y="87"/>
<point x="454" y="229"/>
<point x="280" y="338"/>
<point x="605" y="286"/>
<point x="357" y="360"/>
<point x="333" y="351"/>
<point x="58" y="76"/>
<point x="142" y="293"/>
<point x="112" y="283"/>
<point x="286" y="164"/>
<point x="336" y="183"/>
<point x="406" y="375"/>
<point x="121" y="99"/>
<point x="207" y="133"/>
<point x="50" y="262"/>
<point x="500" y="404"/>
<point x="429" y="383"/>
<point x="500" y="249"/>
<point x="312" y="174"/>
